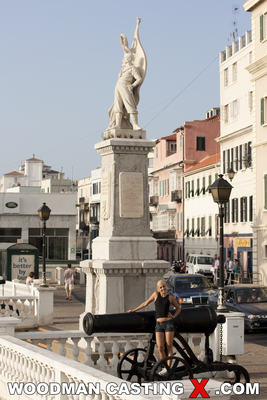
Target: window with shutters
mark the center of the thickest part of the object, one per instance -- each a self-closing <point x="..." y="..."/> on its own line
<point x="243" y="209"/>
<point x="250" y="208"/>
<point x="228" y="160"/>
<point x="250" y="104"/>
<point x="166" y="184"/>
<point x="197" y="191"/>
<point x="227" y="213"/>
<point x="157" y="152"/>
<point x="234" y="72"/>
<point x="179" y="222"/>
<point x="226" y="113"/>
<point x="192" y="188"/>
<point x="198" y="227"/>
<point x="193" y="227"/>
<point x="236" y="159"/>
<point x="232" y="158"/>
<point x="263" y="27"/>
<point x="210" y="225"/>
<point x="263" y="109"/>
<point x="203" y="231"/>
<point x="234" y="109"/>
<point x="226" y="77"/>
<point x="203" y="185"/>
<point x="234" y="210"/>
<point x="209" y="183"/>
<point x="240" y="157"/>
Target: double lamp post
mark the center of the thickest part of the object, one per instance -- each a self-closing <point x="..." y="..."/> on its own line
<point x="221" y="190"/>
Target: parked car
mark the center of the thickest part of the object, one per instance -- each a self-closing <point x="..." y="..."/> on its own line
<point x="200" y="264"/>
<point x="249" y="299"/>
<point x="190" y="289"/>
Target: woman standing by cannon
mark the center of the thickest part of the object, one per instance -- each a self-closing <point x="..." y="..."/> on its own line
<point x="164" y="326"/>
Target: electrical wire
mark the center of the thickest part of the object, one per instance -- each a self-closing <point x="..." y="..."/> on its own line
<point x="180" y="92"/>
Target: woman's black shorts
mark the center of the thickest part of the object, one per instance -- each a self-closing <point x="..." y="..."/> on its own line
<point x="165" y="326"/>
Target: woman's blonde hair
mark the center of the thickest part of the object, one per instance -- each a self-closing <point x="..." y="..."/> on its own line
<point x="161" y="282"/>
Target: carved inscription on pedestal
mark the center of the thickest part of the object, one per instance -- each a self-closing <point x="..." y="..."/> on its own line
<point x="105" y="195"/>
<point x="131" y="195"/>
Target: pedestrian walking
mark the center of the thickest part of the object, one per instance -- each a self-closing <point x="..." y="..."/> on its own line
<point x="229" y="269"/>
<point x="236" y="271"/>
<point x="217" y="271"/>
<point x="69" y="275"/>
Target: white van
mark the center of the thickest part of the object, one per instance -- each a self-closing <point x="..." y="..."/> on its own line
<point x="199" y="264"/>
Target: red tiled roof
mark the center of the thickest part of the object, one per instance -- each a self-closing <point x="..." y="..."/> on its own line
<point x="210" y="160"/>
<point x="14" y="173"/>
<point x="211" y="119"/>
<point x="170" y="137"/>
<point x="34" y="159"/>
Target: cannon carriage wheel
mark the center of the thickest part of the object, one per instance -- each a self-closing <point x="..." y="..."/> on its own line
<point x="179" y="369"/>
<point x="131" y="356"/>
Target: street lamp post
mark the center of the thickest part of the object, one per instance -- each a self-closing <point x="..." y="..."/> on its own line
<point x="220" y="191"/>
<point x="44" y="214"/>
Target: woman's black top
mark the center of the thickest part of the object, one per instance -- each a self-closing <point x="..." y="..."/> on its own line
<point x="162" y="305"/>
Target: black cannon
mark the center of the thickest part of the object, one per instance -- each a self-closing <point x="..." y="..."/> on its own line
<point x="142" y="363"/>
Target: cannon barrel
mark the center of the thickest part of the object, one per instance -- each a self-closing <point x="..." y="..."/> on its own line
<point x="190" y="320"/>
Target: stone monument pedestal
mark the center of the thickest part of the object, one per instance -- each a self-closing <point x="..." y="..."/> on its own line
<point x="124" y="270"/>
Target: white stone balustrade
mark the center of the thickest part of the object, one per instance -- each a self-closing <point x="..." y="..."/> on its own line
<point x="22" y="365"/>
<point x="100" y="351"/>
<point x="34" y="303"/>
<point x="19" y="362"/>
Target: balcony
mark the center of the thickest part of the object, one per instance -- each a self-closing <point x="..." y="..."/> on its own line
<point x="93" y="220"/>
<point x="176" y="195"/>
<point x="154" y="201"/>
<point x="170" y="234"/>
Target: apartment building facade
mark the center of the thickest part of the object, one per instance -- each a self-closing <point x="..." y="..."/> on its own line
<point x="173" y="155"/>
<point x="257" y="70"/>
<point x="201" y="213"/>
<point x="236" y="98"/>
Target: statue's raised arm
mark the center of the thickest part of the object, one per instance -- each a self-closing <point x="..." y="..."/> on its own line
<point x="131" y="77"/>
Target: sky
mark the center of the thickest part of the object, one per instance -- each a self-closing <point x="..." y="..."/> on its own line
<point x="60" y="61"/>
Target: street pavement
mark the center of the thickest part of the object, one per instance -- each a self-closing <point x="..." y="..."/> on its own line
<point x="67" y="312"/>
<point x="254" y="359"/>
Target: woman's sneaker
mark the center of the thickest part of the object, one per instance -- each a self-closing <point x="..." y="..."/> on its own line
<point x="163" y="372"/>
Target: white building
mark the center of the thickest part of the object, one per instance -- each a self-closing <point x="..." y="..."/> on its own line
<point x="201" y="213"/>
<point x="95" y="196"/>
<point x="20" y="222"/>
<point x="34" y="173"/>
<point x="236" y="137"/>
<point x="83" y="218"/>
<point x="258" y="76"/>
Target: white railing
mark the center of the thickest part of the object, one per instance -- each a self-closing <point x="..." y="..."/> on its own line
<point x="20" y="363"/>
<point x="99" y="351"/>
<point x="33" y="305"/>
<point x="29" y="374"/>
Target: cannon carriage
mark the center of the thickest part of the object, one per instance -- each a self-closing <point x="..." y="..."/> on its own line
<point x="142" y="364"/>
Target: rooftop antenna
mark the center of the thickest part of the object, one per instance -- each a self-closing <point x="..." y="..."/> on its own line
<point x="234" y="33"/>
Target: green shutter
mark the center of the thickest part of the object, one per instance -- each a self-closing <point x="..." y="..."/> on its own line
<point x="262" y="111"/>
<point x="261" y="27"/>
